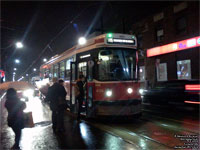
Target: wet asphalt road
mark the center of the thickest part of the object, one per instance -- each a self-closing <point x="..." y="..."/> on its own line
<point x="158" y="128"/>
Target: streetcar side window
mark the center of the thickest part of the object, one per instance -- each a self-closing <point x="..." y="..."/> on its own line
<point x="62" y="70"/>
<point x="51" y="72"/>
<point x="55" y="71"/>
<point x="82" y="68"/>
<point x="68" y="61"/>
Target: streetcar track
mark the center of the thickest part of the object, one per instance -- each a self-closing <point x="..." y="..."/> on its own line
<point x="133" y="134"/>
<point x="170" y="126"/>
<point x="169" y="118"/>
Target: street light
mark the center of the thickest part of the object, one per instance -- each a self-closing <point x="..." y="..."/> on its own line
<point x="44" y="60"/>
<point x="19" y="45"/>
<point x="15" y="69"/>
<point x="34" y="69"/>
<point x="82" y="41"/>
<point x="17" y="61"/>
<point x="27" y="75"/>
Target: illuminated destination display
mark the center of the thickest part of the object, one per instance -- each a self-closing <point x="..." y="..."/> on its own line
<point x="120" y="41"/>
<point x="173" y="47"/>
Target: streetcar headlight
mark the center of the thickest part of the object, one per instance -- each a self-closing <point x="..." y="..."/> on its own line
<point x="108" y="93"/>
<point x="28" y="93"/>
<point x="141" y="91"/>
<point x="130" y="90"/>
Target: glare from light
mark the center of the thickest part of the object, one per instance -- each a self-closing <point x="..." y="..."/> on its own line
<point x="23" y="99"/>
<point x="19" y="45"/>
<point x="82" y="41"/>
<point x="83" y="130"/>
<point x="15" y="69"/>
<point x="108" y="93"/>
<point x="34" y="69"/>
<point x="130" y="90"/>
<point x="17" y="61"/>
<point x="44" y="60"/>
<point x="14" y="73"/>
<point x="27" y="75"/>
<point x="28" y="93"/>
<point x="141" y="91"/>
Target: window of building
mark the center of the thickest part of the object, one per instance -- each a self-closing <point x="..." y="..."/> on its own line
<point x="161" y="70"/>
<point x="158" y="17"/>
<point x="184" y="69"/>
<point x="142" y="73"/>
<point x="159" y="34"/>
<point x="180" y="7"/>
<point x="181" y="25"/>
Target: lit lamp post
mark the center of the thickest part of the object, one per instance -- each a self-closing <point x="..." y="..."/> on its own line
<point x="17" y="61"/>
<point x="19" y="45"/>
<point x="82" y="40"/>
<point x="34" y="69"/>
<point x="44" y="60"/>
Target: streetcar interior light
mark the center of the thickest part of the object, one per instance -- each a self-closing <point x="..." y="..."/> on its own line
<point x="108" y="93"/>
<point x="130" y="90"/>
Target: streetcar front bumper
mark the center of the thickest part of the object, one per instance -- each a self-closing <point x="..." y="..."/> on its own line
<point x="118" y="107"/>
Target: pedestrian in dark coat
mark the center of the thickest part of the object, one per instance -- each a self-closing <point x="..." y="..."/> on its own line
<point x="80" y="83"/>
<point x="15" y="119"/>
<point x="55" y="93"/>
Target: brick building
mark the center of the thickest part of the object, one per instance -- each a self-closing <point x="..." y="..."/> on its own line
<point x="165" y="35"/>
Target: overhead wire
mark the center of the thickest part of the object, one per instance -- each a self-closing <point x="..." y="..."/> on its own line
<point x="55" y="37"/>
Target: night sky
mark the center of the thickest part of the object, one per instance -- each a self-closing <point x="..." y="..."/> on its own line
<point x="38" y="24"/>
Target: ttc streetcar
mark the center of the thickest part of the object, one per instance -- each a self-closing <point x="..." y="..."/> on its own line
<point x="109" y="63"/>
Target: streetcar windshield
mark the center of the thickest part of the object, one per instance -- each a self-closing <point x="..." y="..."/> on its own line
<point x="116" y="64"/>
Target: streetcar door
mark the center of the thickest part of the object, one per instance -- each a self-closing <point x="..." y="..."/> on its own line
<point x="73" y="68"/>
<point x="90" y="87"/>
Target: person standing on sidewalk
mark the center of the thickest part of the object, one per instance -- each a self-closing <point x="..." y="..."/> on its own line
<point x="62" y="105"/>
<point x="80" y="97"/>
<point x="55" y="93"/>
<point x="15" y="118"/>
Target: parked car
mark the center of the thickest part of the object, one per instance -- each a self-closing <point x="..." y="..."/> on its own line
<point x="174" y="91"/>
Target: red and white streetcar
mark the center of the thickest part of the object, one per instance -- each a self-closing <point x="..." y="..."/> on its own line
<point x="109" y="63"/>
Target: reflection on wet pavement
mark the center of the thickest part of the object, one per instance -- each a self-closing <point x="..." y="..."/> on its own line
<point x="78" y="135"/>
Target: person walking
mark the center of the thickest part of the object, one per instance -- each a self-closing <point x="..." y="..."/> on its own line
<point x="80" y="83"/>
<point x="62" y="105"/>
<point x="15" y="118"/>
<point x="54" y="94"/>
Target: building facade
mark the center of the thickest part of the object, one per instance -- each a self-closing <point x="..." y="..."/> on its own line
<point x="172" y="37"/>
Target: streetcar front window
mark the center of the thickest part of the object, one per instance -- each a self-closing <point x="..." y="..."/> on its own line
<point x="117" y="64"/>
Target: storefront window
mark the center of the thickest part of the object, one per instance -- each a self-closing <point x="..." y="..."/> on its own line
<point x="162" y="72"/>
<point x="142" y="73"/>
<point x="184" y="69"/>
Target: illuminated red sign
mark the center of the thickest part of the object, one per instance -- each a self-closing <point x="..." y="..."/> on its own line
<point x="173" y="47"/>
<point x="193" y="87"/>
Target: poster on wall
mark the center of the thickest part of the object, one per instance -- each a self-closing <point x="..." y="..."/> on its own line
<point x="162" y="72"/>
<point x="183" y="69"/>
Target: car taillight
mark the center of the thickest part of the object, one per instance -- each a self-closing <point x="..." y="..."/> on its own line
<point x="194" y="87"/>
